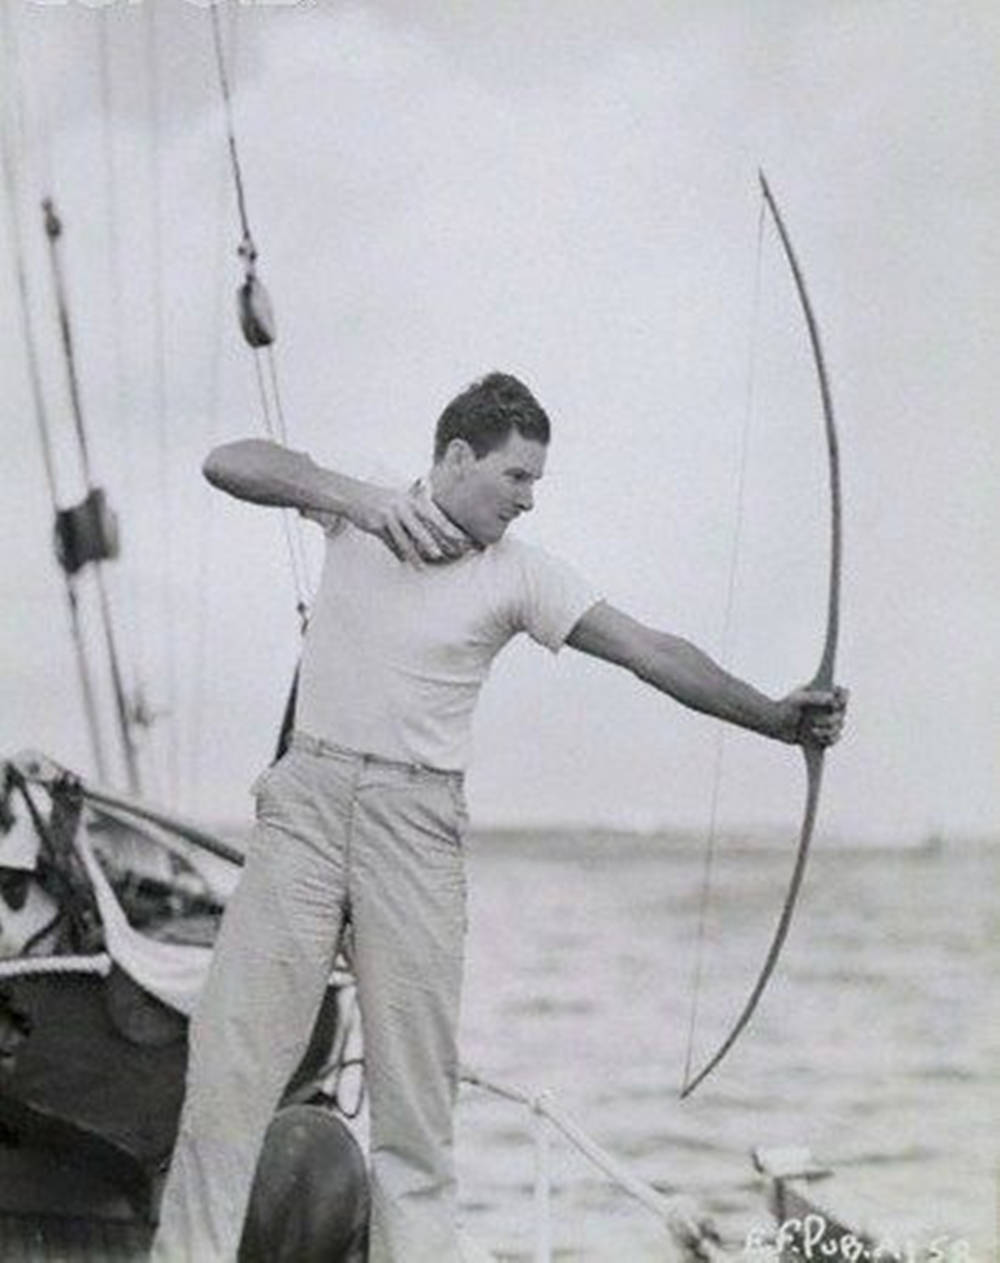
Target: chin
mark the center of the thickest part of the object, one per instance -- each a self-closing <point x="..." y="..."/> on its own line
<point x="484" y="533"/>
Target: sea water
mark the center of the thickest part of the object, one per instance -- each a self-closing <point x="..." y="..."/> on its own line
<point x="876" y="1043"/>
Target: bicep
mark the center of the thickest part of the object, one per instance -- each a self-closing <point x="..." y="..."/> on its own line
<point x="609" y="633"/>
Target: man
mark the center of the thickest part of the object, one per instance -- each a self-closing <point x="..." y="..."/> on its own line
<point x="362" y="819"/>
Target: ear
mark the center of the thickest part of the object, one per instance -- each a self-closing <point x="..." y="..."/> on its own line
<point x="458" y="456"/>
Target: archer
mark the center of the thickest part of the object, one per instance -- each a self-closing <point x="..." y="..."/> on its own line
<point x="362" y="820"/>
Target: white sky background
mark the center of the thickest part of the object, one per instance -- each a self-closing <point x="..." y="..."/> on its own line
<point x="567" y="191"/>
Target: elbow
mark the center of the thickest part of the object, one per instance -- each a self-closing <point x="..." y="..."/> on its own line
<point x="644" y="657"/>
<point x="226" y="466"/>
<point x="212" y="467"/>
<point x="665" y="662"/>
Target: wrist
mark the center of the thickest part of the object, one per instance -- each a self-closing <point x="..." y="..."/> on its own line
<point x="337" y="493"/>
<point x="782" y="721"/>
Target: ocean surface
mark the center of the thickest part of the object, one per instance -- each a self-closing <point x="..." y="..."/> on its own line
<point x="876" y="1043"/>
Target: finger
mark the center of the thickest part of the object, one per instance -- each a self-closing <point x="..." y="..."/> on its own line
<point x="390" y="543"/>
<point x="828" y="730"/>
<point x="401" y="544"/>
<point x="449" y="536"/>
<point x="822" y="701"/>
<point x="449" y="546"/>
<point x="431" y="511"/>
<point x="445" y="536"/>
<point x="817" y="727"/>
<point x="422" y="538"/>
<point x="815" y="699"/>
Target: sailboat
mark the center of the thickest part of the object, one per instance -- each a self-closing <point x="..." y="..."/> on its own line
<point x="108" y="912"/>
<point x="108" y="909"/>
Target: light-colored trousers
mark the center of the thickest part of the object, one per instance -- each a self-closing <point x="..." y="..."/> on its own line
<point x="338" y="834"/>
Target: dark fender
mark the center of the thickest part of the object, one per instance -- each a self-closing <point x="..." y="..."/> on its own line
<point x="310" y="1198"/>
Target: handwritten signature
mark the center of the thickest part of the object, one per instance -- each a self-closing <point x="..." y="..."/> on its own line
<point x="816" y="1240"/>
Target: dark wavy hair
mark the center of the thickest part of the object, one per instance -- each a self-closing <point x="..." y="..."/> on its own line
<point x="486" y="412"/>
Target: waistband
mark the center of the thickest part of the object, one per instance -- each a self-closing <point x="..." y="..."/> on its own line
<point x="304" y="741"/>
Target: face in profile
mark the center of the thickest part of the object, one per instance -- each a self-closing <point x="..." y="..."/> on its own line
<point x="487" y="493"/>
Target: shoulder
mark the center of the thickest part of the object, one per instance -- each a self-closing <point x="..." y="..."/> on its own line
<point x="545" y="595"/>
<point x="516" y="554"/>
<point x="516" y="566"/>
<point x="543" y="571"/>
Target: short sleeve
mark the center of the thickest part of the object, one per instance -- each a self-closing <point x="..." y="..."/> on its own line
<point x="551" y="597"/>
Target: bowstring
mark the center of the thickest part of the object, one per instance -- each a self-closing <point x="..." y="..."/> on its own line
<point x="719" y="745"/>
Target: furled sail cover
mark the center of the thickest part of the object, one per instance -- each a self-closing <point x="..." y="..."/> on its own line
<point x="173" y="972"/>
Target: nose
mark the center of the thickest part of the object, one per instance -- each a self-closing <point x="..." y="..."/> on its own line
<point x="525" y="499"/>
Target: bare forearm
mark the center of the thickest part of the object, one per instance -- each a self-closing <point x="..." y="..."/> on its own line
<point x="266" y="473"/>
<point x="680" y="669"/>
<point x="810" y="715"/>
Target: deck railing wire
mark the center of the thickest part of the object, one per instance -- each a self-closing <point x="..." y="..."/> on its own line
<point x="686" y="1236"/>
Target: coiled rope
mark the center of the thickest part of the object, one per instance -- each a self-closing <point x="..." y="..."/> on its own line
<point x="28" y="966"/>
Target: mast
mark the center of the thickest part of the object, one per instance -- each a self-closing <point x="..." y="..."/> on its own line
<point x="88" y="532"/>
<point x="10" y="131"/>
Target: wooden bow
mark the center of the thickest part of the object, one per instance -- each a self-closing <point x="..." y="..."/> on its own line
<point x="823" y="679"/>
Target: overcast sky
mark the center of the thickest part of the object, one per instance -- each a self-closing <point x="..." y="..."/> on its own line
<point x="568" y="191"/>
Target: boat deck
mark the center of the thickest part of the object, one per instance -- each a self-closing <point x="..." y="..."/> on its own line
<point x="56" y="1211"/>
<point x="58" y="1239"/>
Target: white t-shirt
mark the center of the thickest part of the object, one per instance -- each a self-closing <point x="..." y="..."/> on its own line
<point x="395" y="656"/>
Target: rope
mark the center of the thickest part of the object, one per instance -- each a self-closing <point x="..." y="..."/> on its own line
<point x="247" y="248"/>
<point x="265" y="407"/>
<point x="341" y="1060"/>
<point x="53" y="228"/>
<point x="15" y="124"/>
<point x="277" y="430"/>
<point x="277" y="433"/>
<point x="276" y="394"/>
<point x="160" y="406"/>
<point x="124" y="418"/>
<point x="301" y="561"/>
<point x="21" y="967"/>
<point x="274" y="425"/>
<point x="113" y="253"/>
<point x="118" y="684"/>
<point x="43" y="932"/>
<point x="38" y="105"/>
<point x="676" y="1213"/>
<point x="71" y="906"/>
<point x="165" y="820"/>
<point x="207" y="503"/>
<point x="12" y="196"/>
<point x="726" y="656"/>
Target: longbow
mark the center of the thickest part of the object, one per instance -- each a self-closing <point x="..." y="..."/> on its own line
<point x="823" y="679"/>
